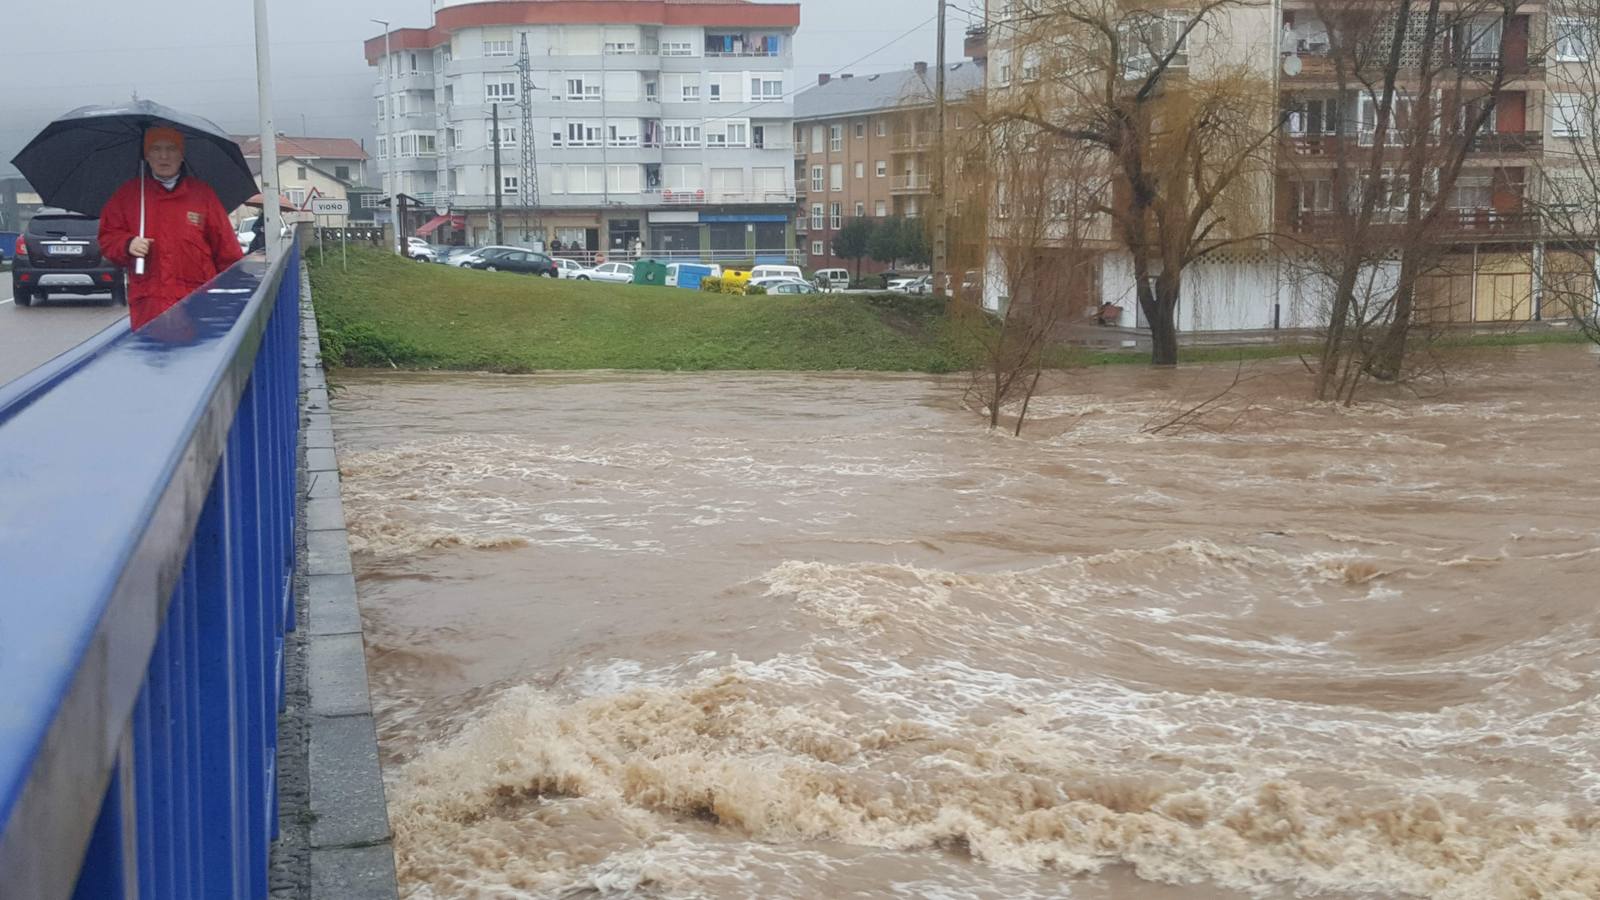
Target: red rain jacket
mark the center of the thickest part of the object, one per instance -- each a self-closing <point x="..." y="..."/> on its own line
<point x="191" y="241"/>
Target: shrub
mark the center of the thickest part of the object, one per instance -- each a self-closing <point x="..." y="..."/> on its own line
<point x="755" y="290"/>
<point x="870" y="283"/>
<point x="711" y="285"/>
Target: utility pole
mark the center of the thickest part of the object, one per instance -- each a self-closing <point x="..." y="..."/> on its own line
<point x="394" y="148"/>
<point x="272" y="216"/>
<point x="941" y="220"/>
<point x="499" y="218"/>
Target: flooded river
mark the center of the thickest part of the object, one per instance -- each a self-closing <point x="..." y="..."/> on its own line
<point x="822" y="636"/>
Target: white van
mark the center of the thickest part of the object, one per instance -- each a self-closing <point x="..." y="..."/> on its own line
<point x="832" y="279"/>
<point x="761" y="272"/>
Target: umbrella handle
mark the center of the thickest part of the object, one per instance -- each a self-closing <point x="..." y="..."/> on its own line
<point x="138" y="264"/>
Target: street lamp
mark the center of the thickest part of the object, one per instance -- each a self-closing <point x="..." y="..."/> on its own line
<point x="272" y="217"/>
<point x="393" y="148"/>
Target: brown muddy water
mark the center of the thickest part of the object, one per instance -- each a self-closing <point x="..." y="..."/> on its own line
<point x="776" y="636"/>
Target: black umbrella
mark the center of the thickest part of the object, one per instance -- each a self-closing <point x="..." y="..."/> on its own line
<point x="78" y="161"/>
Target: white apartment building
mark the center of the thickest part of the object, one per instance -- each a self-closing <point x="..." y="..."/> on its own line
<point x="663" y="122"/>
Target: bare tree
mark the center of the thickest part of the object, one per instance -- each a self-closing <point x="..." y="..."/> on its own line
<point x="1569" y="176"/>
<point x="1377" y="161"/>
<point x="1187" y="132"/>
<point x="1024" y="218"/>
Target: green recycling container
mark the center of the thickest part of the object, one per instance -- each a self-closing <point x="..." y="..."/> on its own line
<point x="651" y="272"/>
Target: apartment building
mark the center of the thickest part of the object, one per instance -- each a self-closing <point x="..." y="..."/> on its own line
<point x="864" y="148"/>
<point x="1495" y="243"/>
<point x="659" y="123"/>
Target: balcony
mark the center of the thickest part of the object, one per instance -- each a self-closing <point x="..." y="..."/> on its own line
<point x="1499" y="143"/>
<point x="1509" y="143"/>
<point x="911" y="184"/>
<point x="1457" y="224"/>
<point x="911" y="142"/>
<point x="1316" y="67"/>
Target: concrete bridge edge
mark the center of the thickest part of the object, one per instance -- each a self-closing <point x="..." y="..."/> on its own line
<point x="335" y="838"/>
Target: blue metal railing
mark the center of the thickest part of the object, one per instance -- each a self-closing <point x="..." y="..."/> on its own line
<point x="147" y="517"/>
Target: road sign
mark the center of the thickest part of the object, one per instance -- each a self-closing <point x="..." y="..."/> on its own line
<point x="322" y="207"/>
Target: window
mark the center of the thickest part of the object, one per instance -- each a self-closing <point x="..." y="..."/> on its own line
<point x="383" y="147"/>
<point x="816" y="217"/>
<point x="500" y="92"/>
<point x="835" y="216"/>
<point x="835" y="137"/>
<point x="496" y="48"/>
<point x="651" y="94"/>
<point x="714" y="92"/>
<point x="508" y="135"/>
<point x="816" y="248"/>
<point x="453" y="135"/>
<point x="691" y="91"/>
<point x="341" y="172"/>
<point x="883" y="168"/>
<point x="583" y="134"/>
<point x="1566" y="115"/>
<point x="300" y="172"/>
<point x="413" y="62"/>
<point x="582" y="88"/>
<point x="682" y="134"/>
<point x="861" y="130"/>
<point x="624" y="135"/>
<point x="1030" y="64"/>
<point x="621" y="48"/>
<point x="816" y="179"/>
<point x="766" y="89"/>
<point x="677" y="48"/>
<point x="861" y="170"/>
<point x="381" y="114"/>
<point x="624" y="179"/>
<point x="911" y="208"/>
<point x="801" y="223"/>
<point x="816" y="138"/>
<point x="881" y="210"/>
<point x="1473" y="192"/>
<point x="1573" y="39"/>
<point x="1315" y="117"/>
<point x="727" y="182"/>
<point x="861" y="210"/>
<point x="836" y="177"/>
<point x="585" y="179"/>
<point x="1314" y="195"/>
<point x="883" y="128"/>
<point x="510" y="184"/>
<point x="727" y="134"/>
<point x="1147" y="40"/>
<point x="297" y="196"/>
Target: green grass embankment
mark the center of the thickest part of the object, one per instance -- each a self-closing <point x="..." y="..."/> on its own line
<point x="386" y="311"/>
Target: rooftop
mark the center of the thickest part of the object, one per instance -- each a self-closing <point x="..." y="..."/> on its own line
<point x="304" y="147"/>
<point x="845" y="95"/>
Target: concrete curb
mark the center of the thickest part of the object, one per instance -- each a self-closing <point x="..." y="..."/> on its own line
<point x="352" y="857"/>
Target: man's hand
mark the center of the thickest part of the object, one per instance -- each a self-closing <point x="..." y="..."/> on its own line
<point x="140" y="247"/>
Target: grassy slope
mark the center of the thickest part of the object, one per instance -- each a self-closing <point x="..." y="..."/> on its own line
<point x="389" y="311"/>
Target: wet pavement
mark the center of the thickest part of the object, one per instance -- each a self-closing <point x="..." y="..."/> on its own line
<point x="33" y="335"/>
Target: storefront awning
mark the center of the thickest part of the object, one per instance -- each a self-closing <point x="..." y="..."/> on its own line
<point x="437" y="222"/>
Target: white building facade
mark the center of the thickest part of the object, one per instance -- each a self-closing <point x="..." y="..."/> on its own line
<point x="658" y="125"/>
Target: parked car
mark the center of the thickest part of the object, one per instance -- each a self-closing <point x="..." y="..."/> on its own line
<point x="789" y="286"/>
<point x="449" y="255"/>
<point x="569" y="268"/>
<point x="615" y="273"/>
<point x="422" y="253"/>
<point x="525" y="262"/>
<point x="832" y="279"/>
<point x="247" y="232"/>
<point x="764" y="272"/>
<point x="467" y="260"/>
<point x="899" y="285"/>
<point x="60" y="254"/>
<point x="923" y="285"/>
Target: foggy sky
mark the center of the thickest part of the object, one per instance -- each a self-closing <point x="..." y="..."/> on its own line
<point x="199" y="56"/>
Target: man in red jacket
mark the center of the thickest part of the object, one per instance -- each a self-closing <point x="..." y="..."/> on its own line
<point x="187" y="237"/>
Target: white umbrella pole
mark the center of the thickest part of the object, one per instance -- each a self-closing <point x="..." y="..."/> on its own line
<point x="138" y="264"/>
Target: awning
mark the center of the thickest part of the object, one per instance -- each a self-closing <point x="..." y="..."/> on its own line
<point x="437" y="222"/>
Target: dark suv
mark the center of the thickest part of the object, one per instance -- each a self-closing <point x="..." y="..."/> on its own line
<point x="60" y="254"/>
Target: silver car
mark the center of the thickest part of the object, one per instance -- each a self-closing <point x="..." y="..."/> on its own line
<point x="612" y="272"/>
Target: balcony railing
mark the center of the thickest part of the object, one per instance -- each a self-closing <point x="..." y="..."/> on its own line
<point x="1465" y="224"/>
<point x="1509" y="143"/>
<point x="907" y="141"/>
<point x="909" y="183"/>
<point x="1320" y="67"/>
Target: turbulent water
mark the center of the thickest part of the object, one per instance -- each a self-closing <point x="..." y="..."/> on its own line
<point x="821" y="636"/>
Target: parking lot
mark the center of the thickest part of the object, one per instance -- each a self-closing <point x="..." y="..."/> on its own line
<point x="31" y="336"/>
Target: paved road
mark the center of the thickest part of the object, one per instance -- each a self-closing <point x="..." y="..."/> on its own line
<point x="32" y="336"/>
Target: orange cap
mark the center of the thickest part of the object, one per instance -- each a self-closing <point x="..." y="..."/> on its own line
<point x="159" y="133"/>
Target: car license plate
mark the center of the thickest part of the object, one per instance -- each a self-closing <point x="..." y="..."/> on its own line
<point x="64" y="249"/>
